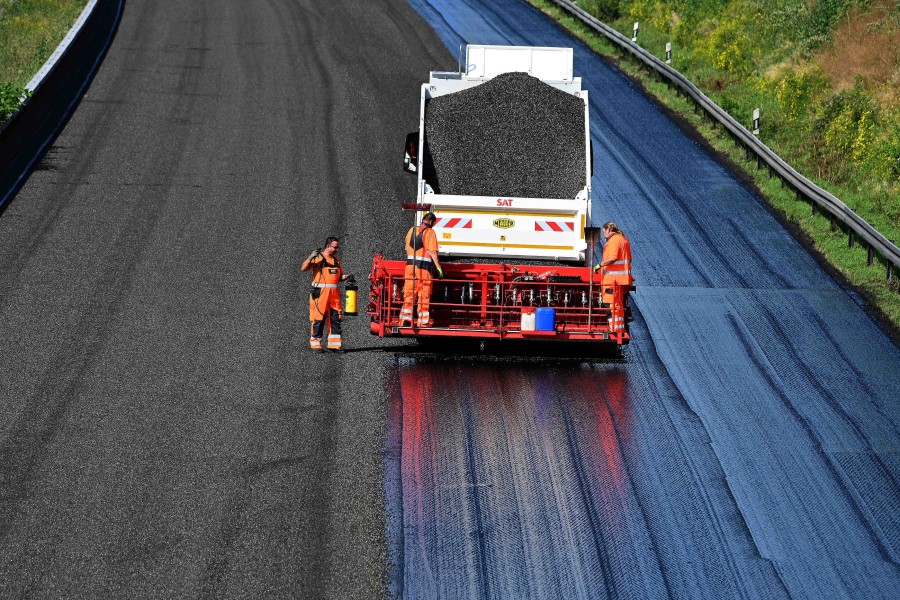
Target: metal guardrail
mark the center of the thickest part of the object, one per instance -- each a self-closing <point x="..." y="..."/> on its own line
<point x="51" y="62"/>
<point x="35" y="82"/>
<point x="55" y="92"/>
<point x="804" y="188"/>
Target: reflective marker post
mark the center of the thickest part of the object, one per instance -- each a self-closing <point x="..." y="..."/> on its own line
<point x="634" y="35"/>
<point x="668" y="53"/>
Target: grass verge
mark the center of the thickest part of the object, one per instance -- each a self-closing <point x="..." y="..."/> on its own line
<point x="880" y="297"/>
<point x="31" y="30"/>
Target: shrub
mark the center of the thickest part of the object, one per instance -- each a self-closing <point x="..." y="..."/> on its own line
<point x="727" y="46"/>
<point x="885" y="159"/>
<point x="605" y="10"/>
<point x="822" y="16"/>
<point x="11" y="98"/>
<point x="848" y="122"/>
<point x="797" y="93"/>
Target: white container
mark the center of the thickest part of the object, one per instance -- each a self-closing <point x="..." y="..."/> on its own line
<point x="529" y="321"/>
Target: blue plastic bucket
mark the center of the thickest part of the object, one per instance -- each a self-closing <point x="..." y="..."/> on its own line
<point x="546" y="319"/>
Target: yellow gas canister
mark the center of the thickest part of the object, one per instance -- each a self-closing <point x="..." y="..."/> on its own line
<point x="350" y="292"/>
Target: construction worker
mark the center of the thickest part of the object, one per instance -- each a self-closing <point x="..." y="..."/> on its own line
<point x="325" y="297"/>
<point x="615" y="266"/>
<point x="422" y="265"/>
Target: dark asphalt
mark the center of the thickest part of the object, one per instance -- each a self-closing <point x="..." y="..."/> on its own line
<point x="164" y="430"/>
<point x="747" y="445"/>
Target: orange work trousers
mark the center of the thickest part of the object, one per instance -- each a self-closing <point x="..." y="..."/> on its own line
<point x="617" y="318"/>
<point x="417" y="290"/>
<point x="607" y="287"/>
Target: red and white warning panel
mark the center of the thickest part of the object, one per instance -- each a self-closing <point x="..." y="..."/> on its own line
<point x="520" y="228"/>
<point x="453" y="223"/>
<point x="557" y="226"/>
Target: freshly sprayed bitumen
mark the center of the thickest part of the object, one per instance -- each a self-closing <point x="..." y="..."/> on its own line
<point x="511" y="136"/>
<point x="744" y="448"/>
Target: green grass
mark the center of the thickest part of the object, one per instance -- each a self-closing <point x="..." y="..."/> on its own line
<point x="30" y="31"/>
<point x="876" y="200"/>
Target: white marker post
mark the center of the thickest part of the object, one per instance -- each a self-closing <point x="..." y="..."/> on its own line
<point x="756" y="122"/>
<point x="668" y="53"/>
<point x="634" y="35"/>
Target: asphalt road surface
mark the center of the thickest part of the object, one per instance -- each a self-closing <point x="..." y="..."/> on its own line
<point x="165" y="432"/>
<point x="164" y="429"/>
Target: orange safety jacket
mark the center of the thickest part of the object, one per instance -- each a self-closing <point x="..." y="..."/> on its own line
<point x="617" y="249"/>
<point x="326" y="277"/>
<point x="419" y="241"/>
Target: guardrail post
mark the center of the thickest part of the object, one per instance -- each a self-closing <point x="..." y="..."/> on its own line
<point x="890" y="270"/>
<point x="850" y="242"/>
<point x="869" y="255"/>
<point x="815" y="207"/>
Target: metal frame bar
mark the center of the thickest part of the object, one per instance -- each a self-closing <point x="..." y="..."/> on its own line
<point x="483" y="316"/>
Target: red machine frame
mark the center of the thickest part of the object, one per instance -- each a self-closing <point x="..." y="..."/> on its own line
<point x="486" y="301"/>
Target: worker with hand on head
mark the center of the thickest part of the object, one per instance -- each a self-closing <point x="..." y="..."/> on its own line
<point x="325" y="309"/>
<point x="422" y="265"/>
<point x="615" y="264"/>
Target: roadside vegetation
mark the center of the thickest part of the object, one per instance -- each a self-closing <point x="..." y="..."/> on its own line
<point x="30" y="31"/>
<point x="825" y="75"/>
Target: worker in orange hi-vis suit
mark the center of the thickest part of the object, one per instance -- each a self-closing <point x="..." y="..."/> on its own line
<point x="422" y="265"/>
<point x="615" y="266"/>
<point x="325" y="310"/>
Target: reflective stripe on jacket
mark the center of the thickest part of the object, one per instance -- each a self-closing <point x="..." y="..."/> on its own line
<point x="419" y="241"/>
<point x="325" y="295"/>
<point x="618" y="250"/>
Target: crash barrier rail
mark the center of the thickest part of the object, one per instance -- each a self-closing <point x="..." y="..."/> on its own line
<point x="34" y="84"/>
<point x="55" y="90"/>
<point x="47" y="68"/>
<point x="489" y="301"/>
<point x="803" y="187"/>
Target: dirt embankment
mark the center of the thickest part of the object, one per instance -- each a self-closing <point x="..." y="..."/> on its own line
<point x="867" y="43"/>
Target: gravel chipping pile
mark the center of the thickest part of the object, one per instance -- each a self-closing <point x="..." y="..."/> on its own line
<point x="511" y="136"/>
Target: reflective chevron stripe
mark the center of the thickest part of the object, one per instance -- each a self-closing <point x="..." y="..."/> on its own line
<point x="555" y="226"/>
<point x="453" y="223"/>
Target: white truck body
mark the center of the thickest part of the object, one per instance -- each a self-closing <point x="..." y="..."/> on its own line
<point x="501" y="226"/>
